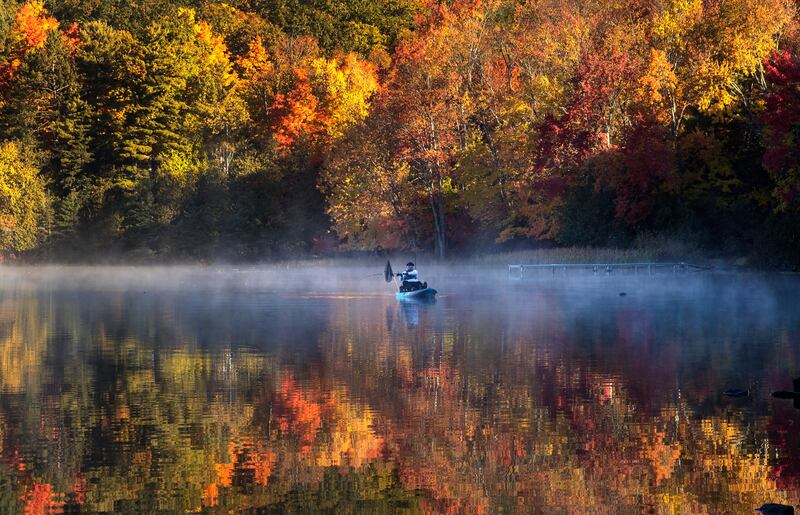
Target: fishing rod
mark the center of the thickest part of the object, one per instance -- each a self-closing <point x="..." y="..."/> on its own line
<point x="388" y="273"/>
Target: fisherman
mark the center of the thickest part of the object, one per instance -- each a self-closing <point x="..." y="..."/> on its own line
<point x="410" y="279"/>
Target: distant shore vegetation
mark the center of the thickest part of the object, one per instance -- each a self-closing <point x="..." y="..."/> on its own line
<point x="252" y="130"/>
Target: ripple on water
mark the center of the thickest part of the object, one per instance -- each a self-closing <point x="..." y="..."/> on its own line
<point x="227" y="390"/>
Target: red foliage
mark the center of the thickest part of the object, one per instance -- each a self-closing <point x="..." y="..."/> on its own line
<point x="590" y="116"/>
<point x="786" y="469"/>
<point x="80" y="489"/>
<point x="647" y="163"/>
<point x="461" y="228"/>
<point x="599" y="120"/>
<point x="781" y="118"/>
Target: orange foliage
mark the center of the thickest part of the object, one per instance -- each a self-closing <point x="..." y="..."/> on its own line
<point x="261" y="463"/>
<point x="242" y="455"/>
<point x="41" y="499"/>
<point x="210" y="495"/>
<point x="325" y="96"/>
<point x="255" y="61"/>
<point x="31" y="27"/>
<point x="303" y="416"/>
<point x="350" y="439"/>
<point x="33" y="24"/>
<point x="295" y="113"/>
<point x="224" y="473"/>
<point x="662" y="456"/>
<point x="72" y="38"/>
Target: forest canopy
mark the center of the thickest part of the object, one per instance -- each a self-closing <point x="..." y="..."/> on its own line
<point x="252" y="129"/>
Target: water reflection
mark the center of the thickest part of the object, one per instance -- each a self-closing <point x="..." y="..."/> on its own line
<point x="545" y="397"/>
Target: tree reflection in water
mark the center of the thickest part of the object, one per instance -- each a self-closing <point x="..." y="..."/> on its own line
<point x="559" y="399"/>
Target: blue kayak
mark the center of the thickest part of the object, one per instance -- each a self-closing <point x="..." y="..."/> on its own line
<point x="424" y="294"/>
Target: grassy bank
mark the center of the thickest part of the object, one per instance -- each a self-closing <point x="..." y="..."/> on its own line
<point x="653" y="249"/>
<point x="662" y="251"/>
<point x="588" y="255"/>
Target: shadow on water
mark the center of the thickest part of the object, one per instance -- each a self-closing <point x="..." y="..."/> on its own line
<point x="187" y="389"/>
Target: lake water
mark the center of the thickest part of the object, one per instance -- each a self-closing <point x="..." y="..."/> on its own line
<point x="269" y="389"/>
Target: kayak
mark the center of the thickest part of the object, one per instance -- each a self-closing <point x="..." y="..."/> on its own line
<point x="424" y="294"/>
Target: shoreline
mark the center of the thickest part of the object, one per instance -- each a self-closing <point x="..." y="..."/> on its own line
<point x="566" y="256"/>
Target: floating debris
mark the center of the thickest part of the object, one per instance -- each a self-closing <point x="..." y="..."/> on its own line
<point x="783" y="394"/>
<point x="776" y="509"/>
<point x="735" y="392"/>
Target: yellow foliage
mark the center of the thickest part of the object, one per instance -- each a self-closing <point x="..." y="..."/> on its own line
<point x="22" y="350"/>
<point x="23" y="199"/>
<point x="677" y="19"/>
<point x="345" y="85"/>
<point x="351" y="440"/>
<point x="179" y="166"/>
<point x="703" y="50"/>
<point x="215" y="52"/>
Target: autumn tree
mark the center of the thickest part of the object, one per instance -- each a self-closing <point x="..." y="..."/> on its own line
<point x="349" y="26"/>
<point x="254" y="127"/>
<point x="221" y="103"/>
<point x="34" y="85"/>
<point x="782" y="117"/>
<point x="42" y="107"/>
<point x="371" y="199"/>
<point x="424" y="93"/>
<point x="24" y="206"/>
<point x="702" y="55"/>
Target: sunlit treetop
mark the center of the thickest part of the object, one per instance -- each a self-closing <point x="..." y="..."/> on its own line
<point x="33" y="23"/>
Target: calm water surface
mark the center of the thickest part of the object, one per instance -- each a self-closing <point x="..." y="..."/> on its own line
<point x="262" y="390"/>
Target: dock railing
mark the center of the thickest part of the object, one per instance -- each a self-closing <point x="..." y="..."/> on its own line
<point x="518" y="271"/>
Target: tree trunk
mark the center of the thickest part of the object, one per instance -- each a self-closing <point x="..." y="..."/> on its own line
<point x="436" y="194"/>
<point x="439" y="228"/>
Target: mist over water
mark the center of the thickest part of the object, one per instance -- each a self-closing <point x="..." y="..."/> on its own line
<point x="312" y="388"/>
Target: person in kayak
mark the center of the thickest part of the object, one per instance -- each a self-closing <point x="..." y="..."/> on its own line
<point x="410" y="279"/>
